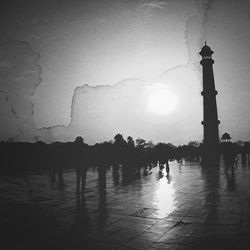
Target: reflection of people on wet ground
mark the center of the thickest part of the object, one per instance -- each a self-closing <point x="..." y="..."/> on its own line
<point x="230" y="181"/>
<point x="57" y="173"/>
<point x="82" y="220"/>
<point x="102" y="169"/>
<point x="167" y="167"/>
<point x="160" y="175"/>
<point x="161" y="165"/>
<point x="127" y="174"/>
<point x="169" y="178"/>
<point x="116" y="174"/>
<point x="136" y="173"/>
<point x="147" y="170"/>
<point x="102" y="211"/>
<point x="81" y="175"/>
<point x="56" y="163"/>
<point x="151" y="165"/>
<point x="60" y="178"/>
<point x="230" y="155"/>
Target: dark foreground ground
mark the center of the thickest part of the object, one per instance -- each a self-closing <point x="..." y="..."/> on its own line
<point x="192" y="208"/>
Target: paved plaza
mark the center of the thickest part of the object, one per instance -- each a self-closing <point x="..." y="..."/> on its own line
<point x="194" y="207"/>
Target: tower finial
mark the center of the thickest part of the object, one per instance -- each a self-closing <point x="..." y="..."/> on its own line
<point x="205" y="42"/>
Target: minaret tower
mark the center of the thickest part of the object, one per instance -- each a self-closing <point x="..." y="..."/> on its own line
<point x="210" y="116"/>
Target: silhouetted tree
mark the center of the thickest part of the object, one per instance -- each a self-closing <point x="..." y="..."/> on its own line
<point x="119" y="149"/>
<point x="140" y="143"/>
<point x="195" y="144"/>
<point x="119" y="140"/>
<point x="79" y="140"/>
<point x="130" y="142"/>
<point x="150" y="145"/>
<point x="163" y="152"/>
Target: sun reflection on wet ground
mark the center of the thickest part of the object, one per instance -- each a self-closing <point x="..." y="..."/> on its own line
<point x="192" y="206"/>
<point x="164" y="195"/>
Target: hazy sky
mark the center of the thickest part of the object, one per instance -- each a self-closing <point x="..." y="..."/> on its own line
<point x="90" y="67"/>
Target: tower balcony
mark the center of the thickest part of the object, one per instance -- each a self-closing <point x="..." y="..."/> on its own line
<point x="206" y="61"/>
<point x="205" y="123"/>
<point x="209" y="92"/>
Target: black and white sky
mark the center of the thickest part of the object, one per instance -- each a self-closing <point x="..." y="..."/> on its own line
<point x="93" y="68"/>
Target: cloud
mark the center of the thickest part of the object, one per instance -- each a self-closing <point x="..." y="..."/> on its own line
<point x="8" y="126"/>
<point x="204" y="7"/>
<point x="154" y="5"/>
<point x="19" y="77"/>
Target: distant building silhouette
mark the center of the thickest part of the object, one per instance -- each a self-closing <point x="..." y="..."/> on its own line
<point x="210" y="117"/>
<point x="225" y="137"/>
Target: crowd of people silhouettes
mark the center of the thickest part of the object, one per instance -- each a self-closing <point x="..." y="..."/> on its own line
<point x="130" y="153"/>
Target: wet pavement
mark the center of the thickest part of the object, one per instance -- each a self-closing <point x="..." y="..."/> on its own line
<point x="194" y="207"/>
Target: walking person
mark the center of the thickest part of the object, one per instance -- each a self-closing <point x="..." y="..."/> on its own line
<point x="230" y="156"/>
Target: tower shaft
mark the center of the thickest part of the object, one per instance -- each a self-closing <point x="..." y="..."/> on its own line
<point x="210" y="116"/>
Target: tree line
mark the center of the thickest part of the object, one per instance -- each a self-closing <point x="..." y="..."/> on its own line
<point x="77" y="154"/>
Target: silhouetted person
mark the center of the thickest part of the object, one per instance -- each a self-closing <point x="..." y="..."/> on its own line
<point x="229" y="155"/>
<point x="56" y="163"/>
<point x="132" y="172"/>
<point x="60" y="178"/>
<point x="244" y="154"/>
<point x="230" y="181"/>
<point x="80" y="154"/>
<point x="115" y="174"/>
<point x="243" y="159"/>
<point x="81" y="175"/>
<point x="103" y="153"/>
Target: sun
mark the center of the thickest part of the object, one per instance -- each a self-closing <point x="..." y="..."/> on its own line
<point x="162" y="101"/>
